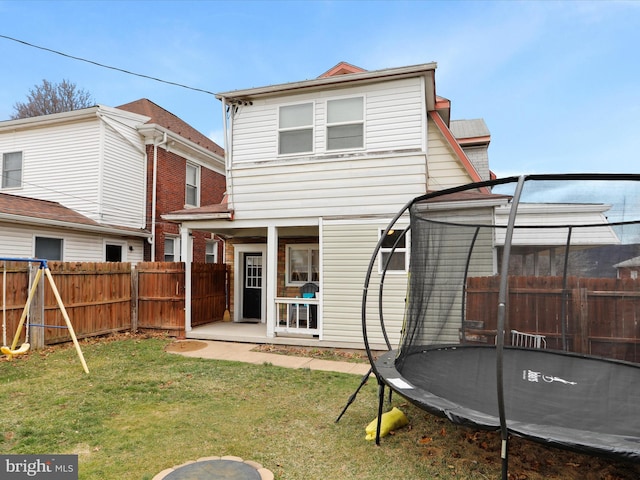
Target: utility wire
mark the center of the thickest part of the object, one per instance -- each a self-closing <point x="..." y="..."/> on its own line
<point x="105" y="66"/>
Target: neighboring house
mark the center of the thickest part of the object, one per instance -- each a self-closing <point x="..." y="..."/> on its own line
<point x="628" y="268"/>
<point x="118" y="168"/>
<point x="45" y="229"/>
<point x="315" y="171"/>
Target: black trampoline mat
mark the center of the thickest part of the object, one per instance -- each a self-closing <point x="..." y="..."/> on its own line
<point x="568" y="400"/>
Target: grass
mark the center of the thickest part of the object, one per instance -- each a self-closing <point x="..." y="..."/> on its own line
<point x="142" y="410"/>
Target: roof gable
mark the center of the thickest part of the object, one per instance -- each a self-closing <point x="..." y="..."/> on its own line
<point x="343" y="68"/>
<point x="168" y="120"/>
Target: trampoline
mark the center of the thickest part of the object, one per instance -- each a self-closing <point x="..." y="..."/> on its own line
<point x="522" y="310"/>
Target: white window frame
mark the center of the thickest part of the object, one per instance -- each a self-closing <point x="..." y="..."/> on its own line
<point x="3" y="171"/>
<point x="303" y="127"/>
<point x="309" y="247"/>
<point x="196" y="187"/>
<point x="118" y="243"/>
<point x="399" y="250"/>
<point x="360" y="121"/>
<point x="47" y="237"/>
<point x="213" y="255"/>
<point x="175" y="241"/>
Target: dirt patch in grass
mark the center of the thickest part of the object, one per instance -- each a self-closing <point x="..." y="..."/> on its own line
<point x="185" y="346"/>
<point x="323" y="353"/>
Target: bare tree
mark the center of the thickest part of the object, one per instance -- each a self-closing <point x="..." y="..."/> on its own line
<point x="51" y="97"/>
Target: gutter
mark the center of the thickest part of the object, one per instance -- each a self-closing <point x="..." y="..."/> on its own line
<point x="22" y="220"/>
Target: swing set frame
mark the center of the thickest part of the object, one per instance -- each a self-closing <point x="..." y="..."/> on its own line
<point x="43" y="269"/>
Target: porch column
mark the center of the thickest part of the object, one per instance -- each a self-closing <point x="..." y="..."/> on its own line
<point x="272" y="279"/>
<point x="185" y="256"/>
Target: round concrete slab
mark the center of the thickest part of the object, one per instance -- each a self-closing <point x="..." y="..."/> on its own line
<point x="217" y="468"/>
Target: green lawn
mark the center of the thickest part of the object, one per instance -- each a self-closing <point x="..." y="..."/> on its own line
<point x="142" y="410"/>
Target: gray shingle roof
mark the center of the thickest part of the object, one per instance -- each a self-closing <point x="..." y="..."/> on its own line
<point x="469" y="128"/>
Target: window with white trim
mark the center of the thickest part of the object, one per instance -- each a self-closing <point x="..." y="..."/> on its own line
<point x="211" y="252"/>
<point x="192" y="186"/>
<point x="172" y="249"/>
<point x="398" y="258"/>
<point x="12" y="170"/>
<point x="48" y="248"/>
<point x="345" y="123"/>
<point x="295" y="129"/>
<point x="303" y="264"/>
<point x="115" y="251"/>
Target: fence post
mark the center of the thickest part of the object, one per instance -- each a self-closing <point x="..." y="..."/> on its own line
<point x="36" y="314"/>
<point x="134" y="299"/>
<point x="580" y="320"/>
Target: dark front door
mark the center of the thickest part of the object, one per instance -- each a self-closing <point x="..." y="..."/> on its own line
<point x="252" y="292"/>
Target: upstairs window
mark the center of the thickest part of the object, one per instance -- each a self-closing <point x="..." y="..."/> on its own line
<point x="295" y="129"/>
<point x="12" y="170"/>
<point x="192" y="185"/>
<point x="345" y="123"/>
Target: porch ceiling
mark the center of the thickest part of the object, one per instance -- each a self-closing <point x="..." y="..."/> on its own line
<point x="261" y="232"/>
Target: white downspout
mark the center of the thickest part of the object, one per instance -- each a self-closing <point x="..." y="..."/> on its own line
<point x="227" y="128"/>
<point x="154" y="195"/>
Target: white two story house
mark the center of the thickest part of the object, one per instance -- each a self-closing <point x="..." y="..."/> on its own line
<point x="315" y="170"/>
<point x="91" y="184"/>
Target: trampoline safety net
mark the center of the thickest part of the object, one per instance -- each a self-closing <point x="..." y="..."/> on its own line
<point x="523" y="309"/>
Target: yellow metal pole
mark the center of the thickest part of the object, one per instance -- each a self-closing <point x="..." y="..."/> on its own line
<point x="66" y="319"/>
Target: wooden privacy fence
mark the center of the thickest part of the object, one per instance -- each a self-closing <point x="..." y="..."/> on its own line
<point x="601" y="316"/>
<point x="103" y="298"/>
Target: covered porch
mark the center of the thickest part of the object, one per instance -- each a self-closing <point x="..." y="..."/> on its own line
<point x="274" y="284"/>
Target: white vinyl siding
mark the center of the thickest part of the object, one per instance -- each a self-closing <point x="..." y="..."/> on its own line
<point x="445" y="170"/>
<point x="347" y="250"/>
<point x="122" y="200"/>
<point x="93" y="168"/>
<point x="394" y="120"/>
<point x="60" y="159"/>
<point x="373" y="185"/>
<point x="19" y="241"/>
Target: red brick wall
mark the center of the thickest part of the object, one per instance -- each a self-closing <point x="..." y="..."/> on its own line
<point x="170" y="196"/>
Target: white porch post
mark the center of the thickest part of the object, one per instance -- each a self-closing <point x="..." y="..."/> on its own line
<point x="185" y="255"/>
<point x="272" y="279"/>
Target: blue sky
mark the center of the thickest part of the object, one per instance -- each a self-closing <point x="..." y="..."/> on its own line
<point x="558" y="83"/>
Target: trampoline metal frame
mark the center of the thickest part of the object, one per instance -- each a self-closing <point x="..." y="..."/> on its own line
<point x="502" y="295"/>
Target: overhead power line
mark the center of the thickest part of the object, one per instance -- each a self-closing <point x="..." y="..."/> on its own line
<point x="105" y="66"/>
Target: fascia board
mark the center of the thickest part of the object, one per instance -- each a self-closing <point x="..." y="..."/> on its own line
<point x="427" y="70"/>
<point x="23" y="220"/>
<point x="153" y="132"/>
<point x="47" y="120"/>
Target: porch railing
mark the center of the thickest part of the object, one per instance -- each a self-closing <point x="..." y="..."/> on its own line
<point x="297" y="315"/>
